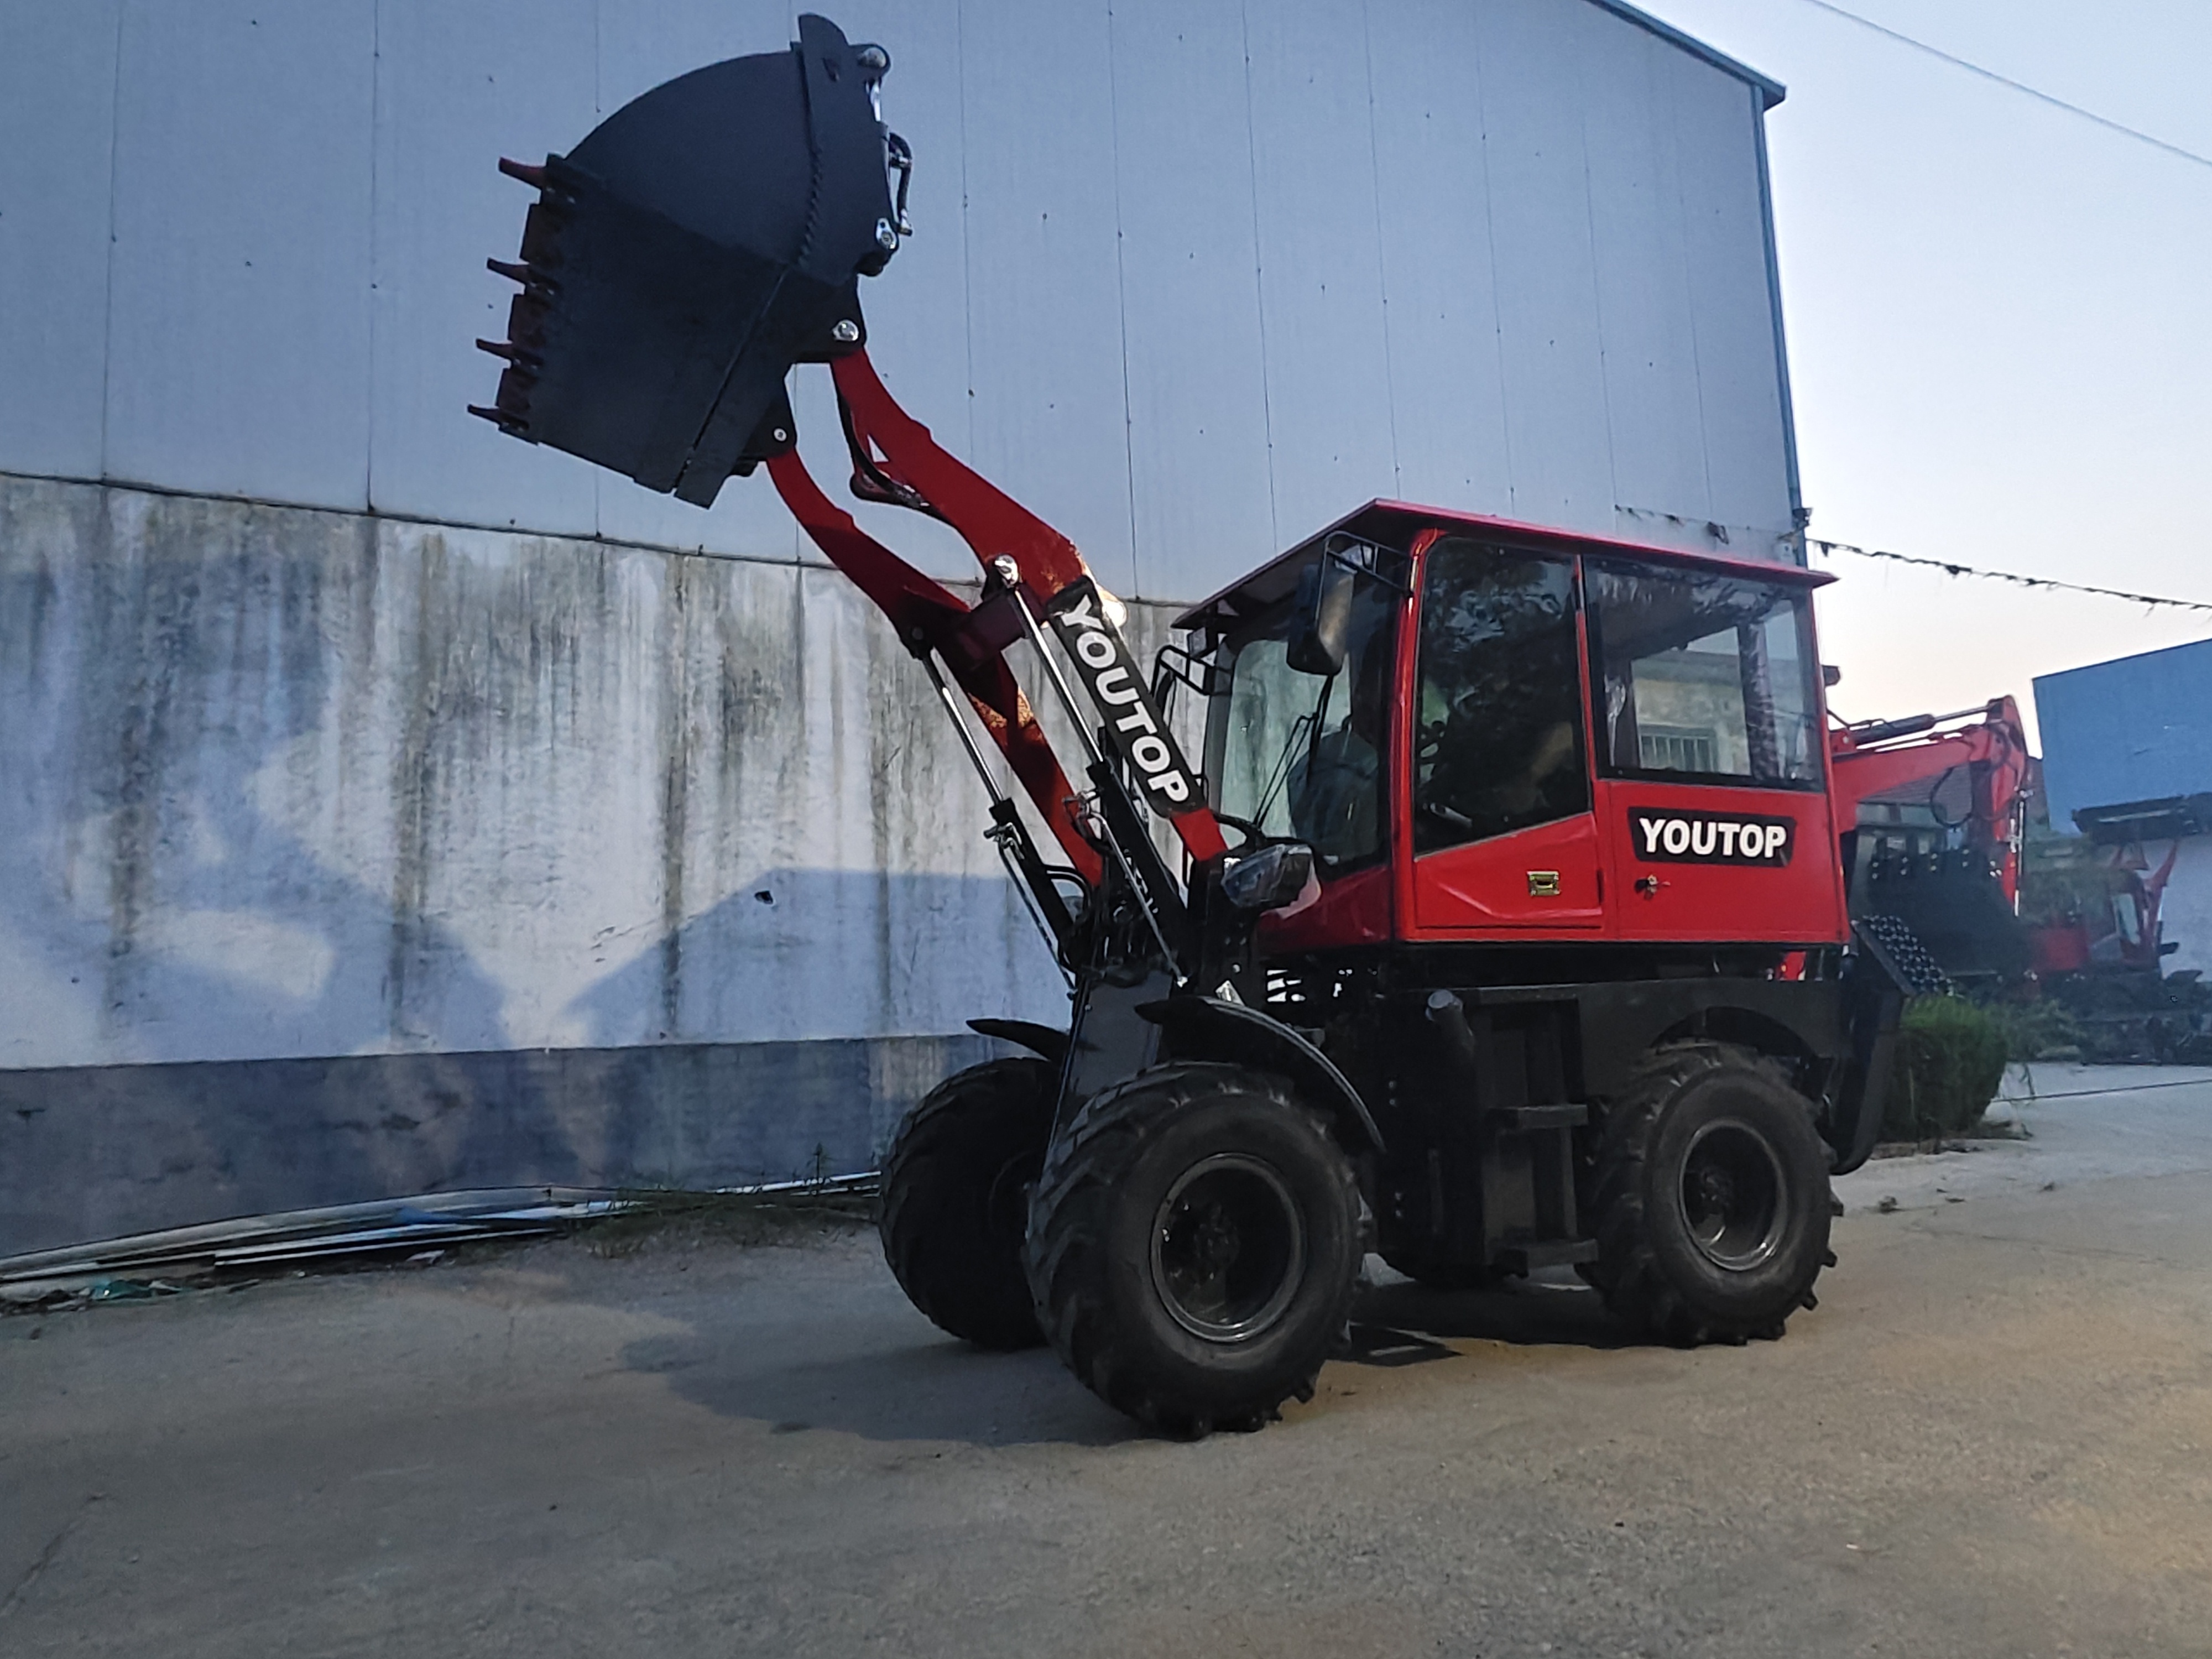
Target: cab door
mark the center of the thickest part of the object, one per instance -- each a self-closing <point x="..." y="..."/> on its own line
<point x="1505" y="838"/>
<point x="1712" y="783"/>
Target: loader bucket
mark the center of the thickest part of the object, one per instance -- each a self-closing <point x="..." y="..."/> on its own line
<point x="699" y="242"/>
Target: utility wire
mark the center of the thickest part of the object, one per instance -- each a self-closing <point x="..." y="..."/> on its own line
<point x="2017" y="86"/>
<point x="1950" y="568"/>
<point x="2032" y="1098"/>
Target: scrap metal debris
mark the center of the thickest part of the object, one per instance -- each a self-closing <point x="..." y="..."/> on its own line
<point x="417" y="1230"/>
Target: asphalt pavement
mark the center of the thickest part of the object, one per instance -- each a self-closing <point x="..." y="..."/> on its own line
<point x="1993" y="1436"/>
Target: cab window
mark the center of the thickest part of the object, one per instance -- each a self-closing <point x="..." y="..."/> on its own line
<point x="1701" y="678"/>
<point x="1498" y="735"/>
<point x="1300" y="756"/>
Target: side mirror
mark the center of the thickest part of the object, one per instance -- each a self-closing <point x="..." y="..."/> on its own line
<point x="1269" y="878"/>
<point x="1320" y="624"/>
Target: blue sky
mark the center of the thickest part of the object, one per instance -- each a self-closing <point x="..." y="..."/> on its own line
<point x="1999" y="325"/>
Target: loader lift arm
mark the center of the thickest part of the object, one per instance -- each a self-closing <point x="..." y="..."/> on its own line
<point x="1032" y="571"/>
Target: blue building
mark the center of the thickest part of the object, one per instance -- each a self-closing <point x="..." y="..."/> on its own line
<point x="2127" y="761"/>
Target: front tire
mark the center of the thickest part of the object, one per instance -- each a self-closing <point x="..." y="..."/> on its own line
<point x="1711" y="1198"/>
<point x="1193" y="1244"/>
<point x="956" y="1186"/>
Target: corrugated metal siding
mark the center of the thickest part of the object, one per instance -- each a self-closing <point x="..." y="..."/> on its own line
<point x="2125" y="730"/>
<point x="57" y="163"/>
<point x="1044" y="298"/>
<point x="1191" y="277"/>
<point x="237" y="292"/>
<point x="489" y="78"/>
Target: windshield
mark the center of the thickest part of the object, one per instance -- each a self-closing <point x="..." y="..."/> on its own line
<point x="1300" y="755"/>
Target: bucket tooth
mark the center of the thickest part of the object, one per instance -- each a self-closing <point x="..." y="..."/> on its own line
<point x="513" y="272"/>
<point x="533" y="177"/>
<point x="508" y="350"/>
<point x="505" y="420"/>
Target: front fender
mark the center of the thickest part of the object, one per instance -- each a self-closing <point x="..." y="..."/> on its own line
<point x="1210" y="1028"/>
<point x="1043" y="1041"/>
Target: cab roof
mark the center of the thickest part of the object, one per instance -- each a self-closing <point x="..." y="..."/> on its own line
<point x="1394" y="524"/>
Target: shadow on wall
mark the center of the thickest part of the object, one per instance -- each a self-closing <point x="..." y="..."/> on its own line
<point x="161" y="656"/>
<point x="92" y="1153"/>
<point x="817" y="953"/>
<point x="278" y="784"/>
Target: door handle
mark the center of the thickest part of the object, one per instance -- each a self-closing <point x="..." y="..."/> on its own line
<point x="1649" y="885"/>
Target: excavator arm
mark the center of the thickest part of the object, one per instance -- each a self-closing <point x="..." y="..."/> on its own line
<point x="1892" y="760"/>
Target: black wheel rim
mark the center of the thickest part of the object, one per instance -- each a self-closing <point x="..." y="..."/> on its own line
<point x="1229" y="1248"/>
<point x="1734" y="1197"/>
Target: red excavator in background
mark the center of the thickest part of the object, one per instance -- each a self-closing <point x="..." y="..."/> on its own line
<point x="1505" y="926"/>
<point x="1932" y="811"/>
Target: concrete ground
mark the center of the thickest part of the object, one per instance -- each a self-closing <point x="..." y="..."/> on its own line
<point x="1994" y="1436"/>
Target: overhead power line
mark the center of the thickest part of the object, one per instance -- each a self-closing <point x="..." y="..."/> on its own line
<point x="2039" y="95"/>
<point x="1950" y="568"/>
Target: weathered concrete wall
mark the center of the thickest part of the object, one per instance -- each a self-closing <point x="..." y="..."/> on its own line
<point x="97" y="1151"/>
<point x="281" y="784"/>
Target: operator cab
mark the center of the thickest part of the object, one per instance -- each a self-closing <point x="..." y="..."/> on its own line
<point x="1490" y="731"/>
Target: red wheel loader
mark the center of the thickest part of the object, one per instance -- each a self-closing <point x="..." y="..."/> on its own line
<point x="1501" y="926"/>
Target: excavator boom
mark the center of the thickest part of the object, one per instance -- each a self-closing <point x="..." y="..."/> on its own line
<point x="1932" y="810"/>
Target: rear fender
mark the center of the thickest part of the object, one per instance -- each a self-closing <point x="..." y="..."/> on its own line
<point x="1209" y="1028"/>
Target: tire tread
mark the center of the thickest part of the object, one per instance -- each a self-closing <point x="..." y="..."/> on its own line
<point x="1628" y="1271"/>
<point x="930" y="1148"/>
<point x="1069" y="1224"/>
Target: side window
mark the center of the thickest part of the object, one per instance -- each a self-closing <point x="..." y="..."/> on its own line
<point x="1300" y="755"/>
<point x="1499" y="733"/>
<point x="1701" y="678"/>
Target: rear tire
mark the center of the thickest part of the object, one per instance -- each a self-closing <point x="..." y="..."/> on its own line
<point x="1193" y="1245"/>
<point x="1711" y="1198"/>
<point x="956" y="1185"/>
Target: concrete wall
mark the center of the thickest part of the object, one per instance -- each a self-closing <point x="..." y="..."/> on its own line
<point x="286" y="784"/>
<point x="97" y="1151"/>
<point x="335" y="727"/>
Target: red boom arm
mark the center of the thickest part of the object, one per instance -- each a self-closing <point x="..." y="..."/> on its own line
<point x="1880" y="758"/>
<point x="897" y="460"/>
